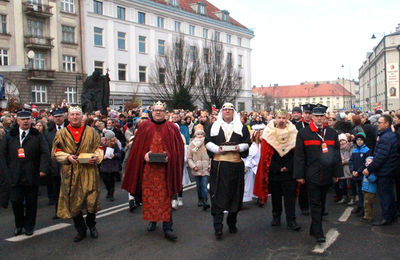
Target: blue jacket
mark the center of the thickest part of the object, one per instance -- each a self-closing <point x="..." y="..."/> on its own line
<point x="385" y="154"/>
<point x="370" y="185"/>
<point x="357" y="160"/>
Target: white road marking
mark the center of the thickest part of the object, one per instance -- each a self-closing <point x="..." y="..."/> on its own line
<point x="346" y="214"/>
<point x="331" y="237"/>
<point x="39" y="232"/>
<point x="107" y="212"/>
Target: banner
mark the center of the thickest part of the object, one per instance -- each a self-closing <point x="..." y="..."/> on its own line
<point x="392" y="77"/>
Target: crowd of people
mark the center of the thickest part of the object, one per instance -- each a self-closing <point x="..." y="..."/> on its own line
<point x="233" y="157"/>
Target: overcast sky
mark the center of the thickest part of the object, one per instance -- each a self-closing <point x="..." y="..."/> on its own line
<point x="299" y="40"/>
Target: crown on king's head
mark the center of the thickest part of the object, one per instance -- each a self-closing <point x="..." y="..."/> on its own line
<point x="281" y="112"/>
<point x="160" y="104"/>
<point x="75" y="109"/>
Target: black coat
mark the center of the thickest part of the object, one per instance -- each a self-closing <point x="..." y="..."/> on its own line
<point x="37" y="157"/>
<point x="4" y="186"/>
<point x="313" y="165"/>
<point x="120" y="136"/>
<point x="277" y="163"/>
<point x="371" y="134"/>
<point x="50" y="134"/>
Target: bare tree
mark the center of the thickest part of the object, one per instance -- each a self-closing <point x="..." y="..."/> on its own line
<point x="174" y="75"/>
<point x="219" y="80"/>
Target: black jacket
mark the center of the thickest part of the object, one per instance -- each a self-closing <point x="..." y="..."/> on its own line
<point x="4" y="186"/>
<point x="120" y="136"/>
<point x="370" y="132"/>
<point x="313" y="165"/>
<point x="277" y="163"/>
<point x="37" y="157"/>
<point x="49" y="135"/>
<point x="385" y="159"/>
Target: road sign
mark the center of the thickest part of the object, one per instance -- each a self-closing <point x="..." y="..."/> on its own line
<point x="353" y="106"/>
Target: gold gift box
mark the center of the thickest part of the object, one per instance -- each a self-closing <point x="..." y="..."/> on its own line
<point x="85" y="157"/>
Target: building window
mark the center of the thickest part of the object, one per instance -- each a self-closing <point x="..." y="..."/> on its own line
<point x="228" y="38"/>
<point x="240" y="61"/>
<point x="161" y="75"/>
<point x="121" y="71"/>
<point x="241" y="106"/>
<point x="121" y="41"/>
<point x="141" y="18"/>
<point x="161" y="47"/>
<point x="201" y="8"/>
<point x="71" y="95"/>
<point x="3" y="57"/>
<point x="206" y="54"/>
<point x="192" y="53"/>
<point x="225" y="17"/>
<point x="177" y="26"/>
<point x="142" y="44"/>
<point x="35" y="28"/>
<point x="68" y="34"/>
<point x="37" y="63"/>
<point x="160" y="22"/>
<point x="97" y="7"/>
<point x="3" y="27"/>
<point x="216" y="36"/>
<point x="120" y="12"/>
<point x="69" y="63"/>
<point x="205" y="33"/>
<point x="142" y="73"/>
<point x="229" y="59"/>
<point x="67" y="6"/>
<point x="174" y="2"/>
<point x="98" y="66"/>
<point x="191" y="29"/>
<point x="239" y="41"/>
<point x="39" y="94"/>
<point x="98" y="36"/>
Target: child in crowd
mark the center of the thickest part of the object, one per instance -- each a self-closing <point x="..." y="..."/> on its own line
<point x="357" y="165"/>
<point x="110" y="165"/>
<point x="345" y="151"/>
<point x="199" y="162"/>
<point x="369" y="192"/>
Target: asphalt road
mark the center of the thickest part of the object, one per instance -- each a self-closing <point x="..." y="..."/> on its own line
<point x="123" y="235"/>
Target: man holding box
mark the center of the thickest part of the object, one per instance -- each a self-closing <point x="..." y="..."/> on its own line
<point x="77" y="147"/>
<point x="155" y="167"/>
<point x="227" y="141"/>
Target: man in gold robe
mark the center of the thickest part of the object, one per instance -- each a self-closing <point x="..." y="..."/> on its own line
<point x="77" y="147"/>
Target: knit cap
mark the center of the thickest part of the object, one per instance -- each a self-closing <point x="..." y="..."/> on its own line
<point x="108" y="134"/>
<point x="342" y="137"/>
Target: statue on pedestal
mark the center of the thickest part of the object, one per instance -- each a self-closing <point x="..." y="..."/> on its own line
<point x="96" y="93"/>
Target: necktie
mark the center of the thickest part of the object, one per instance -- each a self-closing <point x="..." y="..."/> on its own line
<point x="23" y="135"/>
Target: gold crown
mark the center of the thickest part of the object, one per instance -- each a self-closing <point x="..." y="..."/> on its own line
<point x="160" y="104"/>
<point x="281" y="112"/>
<point x="75" y="109"/>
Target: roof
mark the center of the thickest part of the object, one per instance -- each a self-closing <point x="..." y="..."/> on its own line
<point x="211" y="10"/>
<point x="306" y="90"/>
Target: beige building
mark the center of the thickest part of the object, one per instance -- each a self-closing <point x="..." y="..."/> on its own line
<point x="379" y="74"/>
<point x="40" y="50"/>
<point x="334" y="96"/>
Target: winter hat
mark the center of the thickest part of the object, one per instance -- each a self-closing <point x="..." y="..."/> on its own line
<point x="342" y="137"/>
<point x="108" y="134"/>
<point x="360" y="135"/>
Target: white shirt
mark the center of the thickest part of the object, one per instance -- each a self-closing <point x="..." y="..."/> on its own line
<point x="228" y="127"/>
<point x="59" y="127"/>
<point x="20" y="134"/>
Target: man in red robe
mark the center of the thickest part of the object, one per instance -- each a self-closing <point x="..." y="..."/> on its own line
<point x="153" y="181"/>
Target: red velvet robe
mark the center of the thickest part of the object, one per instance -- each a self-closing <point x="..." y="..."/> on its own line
<point x="262" y="176"/>
<point x="172" y="143"/>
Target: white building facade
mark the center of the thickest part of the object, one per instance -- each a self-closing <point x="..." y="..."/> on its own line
<point x="124" y="37"/>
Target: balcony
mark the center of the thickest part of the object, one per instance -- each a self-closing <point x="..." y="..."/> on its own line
<point x="37" y="10"/>
<point x="41" y="75"/>
<point x="38" y="42"/>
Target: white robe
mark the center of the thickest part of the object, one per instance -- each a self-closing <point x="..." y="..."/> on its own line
<point x="185" y="177"/>
<point x="251" y="164"/>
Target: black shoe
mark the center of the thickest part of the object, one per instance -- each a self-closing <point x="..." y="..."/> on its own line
<point x="320" y="239"/>
<point x="93" y="232"/>
<point x="152" y="226"/>
<point x="28" y="232"/>
<point x="205" y="205"/>
<point x="305" y="212"/>
<point x="55" y="217"/>
<point x="79" y="237"/>
<point x="218" y="234"/>
<point x="132" y="205"/>
<point x="276" y="221"/>
<point x="111" y="198"/>
<point x="383" y="222"/>
<point x="233" y="230"/>
<point x="168" y="234"/>
<point x="292" y="225"/>
<point x="17" y="231"/>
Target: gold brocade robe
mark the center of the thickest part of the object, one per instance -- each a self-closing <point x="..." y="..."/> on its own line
<point x="80" y="183"/>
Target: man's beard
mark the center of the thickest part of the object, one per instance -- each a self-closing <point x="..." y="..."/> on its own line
<point x="281" y="124"/>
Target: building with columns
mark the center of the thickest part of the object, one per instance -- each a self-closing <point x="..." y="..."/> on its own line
<point x="379" y="74"/>
<point x="41" y="51"/>
<point x="124" y="37"/>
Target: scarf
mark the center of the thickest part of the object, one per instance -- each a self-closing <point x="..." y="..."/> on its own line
<point x="197" y="142"/>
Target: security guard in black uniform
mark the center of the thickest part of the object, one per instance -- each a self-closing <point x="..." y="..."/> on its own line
<point x="318" y="161"/>
<point x="25" y="155"/>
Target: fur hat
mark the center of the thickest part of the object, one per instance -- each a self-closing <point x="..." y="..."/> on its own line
<point x="343" y="137"/>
